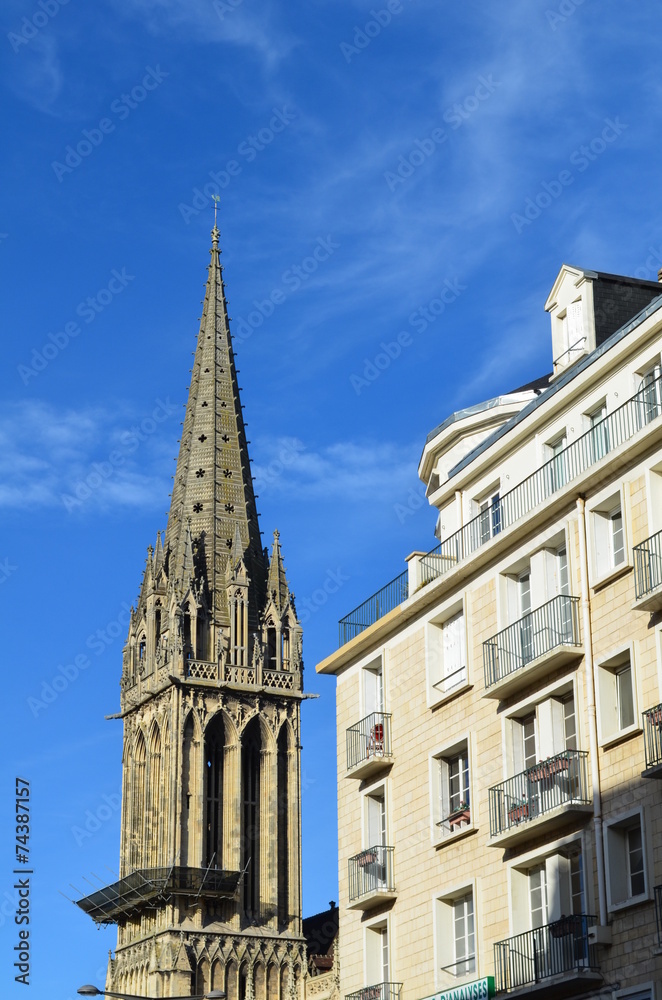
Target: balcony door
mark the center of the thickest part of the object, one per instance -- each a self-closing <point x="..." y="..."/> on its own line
<point x="374" y="869"/>
<point x="373" y="690"/>
<point x="526" y="623"/>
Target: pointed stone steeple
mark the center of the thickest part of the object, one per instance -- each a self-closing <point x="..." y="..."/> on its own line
<point x="277" y="588"/>
<point x="213" y="485"/>
<point x="212" y="681"/>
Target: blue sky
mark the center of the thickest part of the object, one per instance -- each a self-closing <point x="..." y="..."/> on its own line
<point x="418" y="155"/>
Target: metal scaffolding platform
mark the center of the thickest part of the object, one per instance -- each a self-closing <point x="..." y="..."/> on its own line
<point x="152" y="887"/>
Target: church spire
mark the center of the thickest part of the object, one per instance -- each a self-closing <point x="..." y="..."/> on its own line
<point x="213" y="488"/>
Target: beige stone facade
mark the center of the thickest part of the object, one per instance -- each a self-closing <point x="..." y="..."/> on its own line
<point x="499" y="735"/>
<point x="209" y="894"/>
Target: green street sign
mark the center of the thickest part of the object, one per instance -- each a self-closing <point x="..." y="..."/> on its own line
<point x="480" y="989"/>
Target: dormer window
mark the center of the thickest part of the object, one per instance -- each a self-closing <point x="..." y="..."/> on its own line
<point x="572" y="340"/>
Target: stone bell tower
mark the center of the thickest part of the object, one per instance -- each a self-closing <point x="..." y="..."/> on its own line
<point x="209" y="894"/>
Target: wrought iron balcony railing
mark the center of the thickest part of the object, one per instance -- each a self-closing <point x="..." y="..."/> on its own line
<point x="658" y="913"/>
<point x="385" y="600"/>
<point x="557" y="948"/>
<point x="381" y="991"/>
<point x="554" y="624"/>
<point x="371" y="871"/>
<point x="648" y="566"/>
<point x="605" y="436"/>
<point x="369" y="739"/>
<point x="653" y="736"/>
<point x="558" y="781"/>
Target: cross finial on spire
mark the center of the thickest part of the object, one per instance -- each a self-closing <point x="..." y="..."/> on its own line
<point x="215" y="232"/>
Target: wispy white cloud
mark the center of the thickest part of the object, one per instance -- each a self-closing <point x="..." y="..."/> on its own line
<point x="341" y="470"/>
<point x="36" y="75"/>
<point x="208" y="21"/>
<point x="76" y="459"/>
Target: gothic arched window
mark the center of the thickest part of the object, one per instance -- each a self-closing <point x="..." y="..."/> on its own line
<point x="214" y="751"/>
<point x="251" y="746"/>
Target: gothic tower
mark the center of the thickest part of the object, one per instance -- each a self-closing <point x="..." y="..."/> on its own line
<point x="209" y="890"/>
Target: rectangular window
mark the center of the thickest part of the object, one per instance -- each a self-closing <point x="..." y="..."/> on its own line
<point x="616" y="694"/>
<point x="609" y="537"/>
<point x="377" y="956"/>
<point x="649" y="398"/>
<point x="455" y="935"/>
<point x="599" y="438"/>
<point x="625" y="845"/>
<point x="569" y="722"/>
<point x="463" y="926"/>
<point x="452" y="809"/>
<point x="538" y="895"/>
<point x="490" y="517"/>
<point x="446" y="656"/>
<point x="617" y="542"/>
<point x="373" y="689"/>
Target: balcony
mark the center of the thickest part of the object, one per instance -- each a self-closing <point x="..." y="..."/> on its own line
<point x="648" y="574"/>
<point x="559" y="959"/>
<point x="586" y="451"/>
<point x="545" y="795"/>
<point x="385" y="600"/>
<point x="652" y="719"/>
<point x="382" y="991"/>
<point x="371" y="878"/>
<point x="547" y="637"/>
<point x="369" y="745"/>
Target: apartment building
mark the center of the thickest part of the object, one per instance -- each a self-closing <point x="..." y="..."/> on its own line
<point x="498" y="703"/>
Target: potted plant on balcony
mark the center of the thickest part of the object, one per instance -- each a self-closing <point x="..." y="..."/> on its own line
<point x="655" y="716"/>
<point x="460" y="816"/>
<point x="368" y="857"/>
<point x="518" y="812"/>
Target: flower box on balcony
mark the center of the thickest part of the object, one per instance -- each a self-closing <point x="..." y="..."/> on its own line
<point x="516" y="814"/>
<point x="459" y="818"/>
<point x="655" y="716"/>
<point x="367" y="858"/>
<point x="548" y="768"/>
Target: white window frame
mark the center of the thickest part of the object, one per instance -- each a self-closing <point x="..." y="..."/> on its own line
<point x="601" y="566"/>
<point x="519" y="889"/>
<point x="377" y="924"/>
<point x="374" y="666"/>
<point x="438" y="764"/>
<point x="608" y="666"/>
<point x="444" y="943"/>
<point x="616" y="859"/>
<point x="558" y="690"/>
<point x="484" y="507"/>
<point x="378" y="790"/>
<point x="437" y="691"/>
